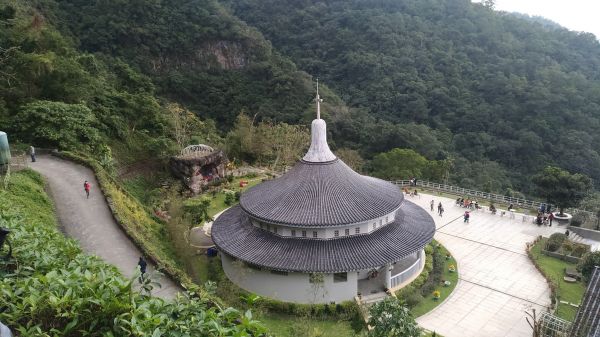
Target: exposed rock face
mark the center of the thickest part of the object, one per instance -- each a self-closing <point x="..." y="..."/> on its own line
<point x="198" y="171"/>
<point x="228" y="55"/>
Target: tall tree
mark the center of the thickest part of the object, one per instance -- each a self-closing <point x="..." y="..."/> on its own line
<point x="562" y="188"/>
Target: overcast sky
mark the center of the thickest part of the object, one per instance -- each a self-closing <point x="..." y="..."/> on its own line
<point x="579" y="15"/>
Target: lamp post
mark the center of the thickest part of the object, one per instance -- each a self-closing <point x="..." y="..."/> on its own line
<point x="3" y="238"/>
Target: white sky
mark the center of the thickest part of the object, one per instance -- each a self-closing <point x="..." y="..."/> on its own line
<point x="578" y="15"/>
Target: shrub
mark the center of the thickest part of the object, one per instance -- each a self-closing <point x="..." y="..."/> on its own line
<point x="579" y="219"/>
<point x="229" y="198"/>
<point x="587" y="263"/>
<point x="579" y="250"/>
<point x="413" y="299"/>
<point x="555" y="241"/>
<point x="238" y="194"/>
<point x="567" y="247"/>
<point x="391" y="317"/>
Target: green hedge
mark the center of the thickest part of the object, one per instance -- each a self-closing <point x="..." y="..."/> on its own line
<point x="51" y="288"/>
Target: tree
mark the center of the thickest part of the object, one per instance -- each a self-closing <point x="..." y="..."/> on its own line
<point x="57" y="124"/>
<point x="184" y="124"/>
<point x="392" y="318"/>
<point x="562" y="188"/>
<point x="406" y="163"/>
<point x="398" y="164"/>
<point x="352" y="158"/>
<point x="587" y="264"/>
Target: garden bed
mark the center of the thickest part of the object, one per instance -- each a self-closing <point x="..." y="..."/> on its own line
<point x="553" y="270"/>
<point x="419" y="294"/>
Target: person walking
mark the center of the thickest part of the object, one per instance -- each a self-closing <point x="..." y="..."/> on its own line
<point x="431" y="205"/>
<point x="467" y="216"/>
<point x="32" y="153"/>
<point x="550" y="218"/>
<point x="142" y="264"/>
<point x="441" y="209"/>
<point x="86" y="187"/>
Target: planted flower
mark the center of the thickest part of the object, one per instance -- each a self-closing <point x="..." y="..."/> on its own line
<point x="447" y="283"/>
<point x="436" y="295"/>
<point x="451" y="268"/>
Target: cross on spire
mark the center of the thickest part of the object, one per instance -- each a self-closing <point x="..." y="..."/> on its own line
<point x="318" y="100"/>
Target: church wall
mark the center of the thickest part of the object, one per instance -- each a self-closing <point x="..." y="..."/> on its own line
<point x="293" y="287"/>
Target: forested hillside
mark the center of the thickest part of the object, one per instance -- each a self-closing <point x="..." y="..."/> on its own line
<point x="196" y="53"/>
<point x="493" y="86"/>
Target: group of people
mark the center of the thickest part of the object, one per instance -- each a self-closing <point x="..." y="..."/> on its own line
<point x="467" y="203"/>
<point x="544" y="217"/>
<point x="440" y="208"/>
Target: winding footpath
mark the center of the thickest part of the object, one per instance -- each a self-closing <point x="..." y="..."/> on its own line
<point x="90" y="222"/>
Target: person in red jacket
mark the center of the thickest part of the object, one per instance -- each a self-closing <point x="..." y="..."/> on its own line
<point x="86" y="187"/>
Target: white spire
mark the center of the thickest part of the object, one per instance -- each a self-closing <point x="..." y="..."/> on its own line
<point x="318" y="100"/>
<point x="319" y="149"/>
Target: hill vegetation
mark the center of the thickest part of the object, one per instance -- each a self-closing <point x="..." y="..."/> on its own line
<point x="487" y="87"/>
<point x="51" y="288"/>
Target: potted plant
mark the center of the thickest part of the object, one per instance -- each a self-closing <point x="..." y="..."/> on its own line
<point x="436" y="295"/>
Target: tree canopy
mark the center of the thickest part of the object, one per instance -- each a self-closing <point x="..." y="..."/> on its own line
<point x="562" y="188"/>
<point x="485" y="85"/>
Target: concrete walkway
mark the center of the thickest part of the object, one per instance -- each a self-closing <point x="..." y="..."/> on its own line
<point x="497" y="281"/>
<point x="90" y="221"/>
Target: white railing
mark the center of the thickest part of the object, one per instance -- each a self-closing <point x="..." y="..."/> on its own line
<point x="409" y="272"/>
<point x="463" y="192"/>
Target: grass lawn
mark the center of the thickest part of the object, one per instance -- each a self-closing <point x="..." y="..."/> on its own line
<point x="554" y="268"/>
<point x="429" y="303"/>
<point x="282" y="325"/>
<point x="217" y="203"/>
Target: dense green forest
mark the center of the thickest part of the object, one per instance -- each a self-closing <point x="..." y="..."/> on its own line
<point x="492" y="86"/>
<point x="494" y="96"/>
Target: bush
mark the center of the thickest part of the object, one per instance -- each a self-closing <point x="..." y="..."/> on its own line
<point x="579" y="219"/>
<point x="413" y="299"/>
<point x="579" y="250"/>
<point x="555" y="241"/>
<point x="391" y="317"/>
<point x="229" y="198"/>
<point x="238" y="194"/>
<point x="587" y="263"/>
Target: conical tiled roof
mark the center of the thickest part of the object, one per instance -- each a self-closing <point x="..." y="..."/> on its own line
<point x="321" y="194"/>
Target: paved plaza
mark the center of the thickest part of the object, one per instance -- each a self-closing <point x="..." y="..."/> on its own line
<point x="497" y="281"/>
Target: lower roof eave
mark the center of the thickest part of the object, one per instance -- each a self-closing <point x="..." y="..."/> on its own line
<point x="412" y="229"/>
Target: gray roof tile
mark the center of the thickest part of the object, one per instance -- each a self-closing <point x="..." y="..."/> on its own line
<point x="413" y="228"/>
<point x="321" y="194"/>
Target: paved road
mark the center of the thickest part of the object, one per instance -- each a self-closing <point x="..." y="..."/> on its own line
<point x="497" y="281"/>
<point x="90" y="221"/>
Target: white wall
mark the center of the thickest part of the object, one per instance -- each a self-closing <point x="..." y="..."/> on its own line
<point x="328" y="232"/>
<point x="294" y="287"/>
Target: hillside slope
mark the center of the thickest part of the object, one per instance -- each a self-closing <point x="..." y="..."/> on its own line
<point x="509" y="90"/>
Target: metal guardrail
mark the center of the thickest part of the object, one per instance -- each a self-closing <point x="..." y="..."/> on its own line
<point x="460" y="191"/>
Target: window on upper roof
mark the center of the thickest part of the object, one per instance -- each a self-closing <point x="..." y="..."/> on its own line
<point x="336" y="233"/>
<point x="315" y="234"/>
<point x="347" y="232"/>
<point x="303" y="234"/>
<point x="357" y="230"/>
<point x="293" y="232"/>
